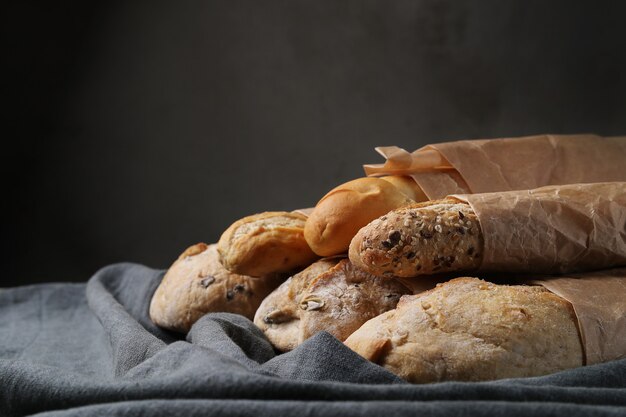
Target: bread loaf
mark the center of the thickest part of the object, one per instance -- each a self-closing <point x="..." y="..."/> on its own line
<point x="422" y="239"/>
<point x="471" y="330"/>
<point x="197" y="284"/>
<point x="331" y="295"/>
<point x="345" y="209"/>
<point x="266" y="243"/>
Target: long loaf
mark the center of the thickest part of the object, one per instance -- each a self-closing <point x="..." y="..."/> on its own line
<point x="468" y="329"/>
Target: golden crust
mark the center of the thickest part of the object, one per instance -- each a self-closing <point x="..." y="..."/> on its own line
<point x="197" y="284"/>
<point x="265" y="243"/>
<point x="407" y="186"/>
<point x="470" y="330"/>
<point x="345" y="209"/>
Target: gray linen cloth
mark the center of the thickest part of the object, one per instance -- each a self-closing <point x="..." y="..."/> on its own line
<point x="91" y="349"/>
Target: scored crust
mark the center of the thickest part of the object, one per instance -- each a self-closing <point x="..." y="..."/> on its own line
<point x="197" y="284"/>
<point x="331" y="296"/>
<point x="422" y="239"/>
<point x="468" y="329"/>
<point x="265" y="243"/>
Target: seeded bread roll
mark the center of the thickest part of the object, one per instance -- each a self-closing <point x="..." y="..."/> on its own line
<point x="345" y="209"/>
<point x="471" y="330"/>
<point x="265" y="243"/>
<point x="331" y="295"/>
<point x="278" y="316"/>
<point x="422" y="239"/>
<point x="197" y="284"/>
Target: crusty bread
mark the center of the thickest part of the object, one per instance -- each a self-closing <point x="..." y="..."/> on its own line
<point x="341" y="300"/>
<point x="345" y="209"/>
<point x="331" y="295"/>
<point x="197" y="284"/>
<point x="278" y="316"/>
<point x="265" y="243"/>
<point x="471" y="330"/>
<point x="422" y="239"/>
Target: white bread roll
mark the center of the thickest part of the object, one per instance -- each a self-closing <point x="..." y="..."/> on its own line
<point x="340" y="214"/>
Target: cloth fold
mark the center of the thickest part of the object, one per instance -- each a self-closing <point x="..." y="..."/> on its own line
<point x="91" y="349"/>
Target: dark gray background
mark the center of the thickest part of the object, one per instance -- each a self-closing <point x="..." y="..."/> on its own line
<point x="140" y="127"/>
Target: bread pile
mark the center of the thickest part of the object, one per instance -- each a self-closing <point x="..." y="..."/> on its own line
<point x="348" y="268"/>
<point x="256" y="254"/>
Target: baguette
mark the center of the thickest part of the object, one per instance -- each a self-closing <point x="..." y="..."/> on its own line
<point x="265" y="243"/>
<point x="345" y="209"/>
<point x="471" y="330"/>
<point x="548" y="230"/>
<point x="197" y="284"/>
<point x="422" y="239"/>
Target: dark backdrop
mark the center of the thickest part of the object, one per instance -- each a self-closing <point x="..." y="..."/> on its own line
<point x="139" y="127"/>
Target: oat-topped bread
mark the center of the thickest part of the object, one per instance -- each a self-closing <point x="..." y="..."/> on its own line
<point x="266" y="243"/>
<point x="422" y="239"/>
<point x="468" y="329"/>
<point x="331" y="295"/>
<point x="197" y="284"/>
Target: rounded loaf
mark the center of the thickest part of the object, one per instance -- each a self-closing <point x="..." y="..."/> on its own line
<point x="345" y="209"/>
<point x="265" y="243"/>
<point x="331" y="295"/>
<point x="278" y="316"/>
<point x="197" y="284"/>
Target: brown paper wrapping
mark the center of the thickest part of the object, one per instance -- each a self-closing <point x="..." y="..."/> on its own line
<point x="599" y="301"/>
<point x="553" y="229"/>
<point x="559" y="229"/>
<point x="480" y="166"/>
